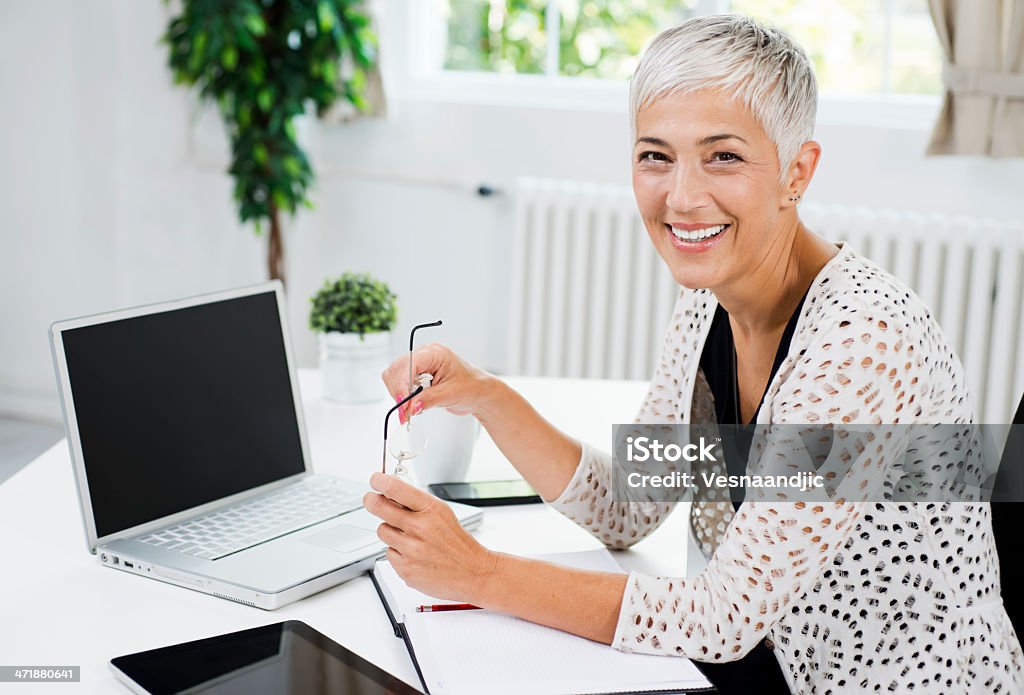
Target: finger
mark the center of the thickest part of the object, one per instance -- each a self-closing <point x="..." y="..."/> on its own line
<point x="394" y="557"/>
<point x="396" y="379"/>
<point x="392" y="377"/>
<point x="430" y="358"/>
<point x="401" y="411"/>
<point x="441" y="396"/>
<point x="401" y="492"/>
<point x="391" y="536"/>
<point x="386" y="510"/>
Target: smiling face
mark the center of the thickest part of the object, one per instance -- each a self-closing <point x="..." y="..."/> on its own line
<point x="706" y="179"/>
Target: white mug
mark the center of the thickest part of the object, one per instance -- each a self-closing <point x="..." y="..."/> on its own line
<point x="449" y="449"/>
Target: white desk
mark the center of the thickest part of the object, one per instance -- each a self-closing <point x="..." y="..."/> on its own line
<point x="59" y="606"/>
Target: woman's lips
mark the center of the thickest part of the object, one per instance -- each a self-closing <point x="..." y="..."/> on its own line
<point x="696" y="246"/>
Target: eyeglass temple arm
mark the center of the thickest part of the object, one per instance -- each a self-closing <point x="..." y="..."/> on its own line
<point x="387" y="417"/>
<point x="412" y="333"/>
<point x="412" y="339"/>
<point x="398" y="405"/>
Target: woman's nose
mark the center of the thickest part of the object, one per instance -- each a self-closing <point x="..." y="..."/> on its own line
<point x="688" y="189"/>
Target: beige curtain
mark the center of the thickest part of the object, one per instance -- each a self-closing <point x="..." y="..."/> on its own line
<point x="983" y="109"/>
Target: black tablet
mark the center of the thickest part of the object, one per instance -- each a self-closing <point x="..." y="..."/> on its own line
<point x="283" y="658"/>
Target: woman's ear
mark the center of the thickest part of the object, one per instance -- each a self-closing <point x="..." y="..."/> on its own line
<point x="801" y="171"/>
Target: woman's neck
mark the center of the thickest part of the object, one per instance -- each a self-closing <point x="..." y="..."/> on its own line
<point x="764" y="298"/>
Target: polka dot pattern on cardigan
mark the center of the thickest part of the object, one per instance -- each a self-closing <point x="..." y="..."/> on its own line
<point x="853" y="595"/>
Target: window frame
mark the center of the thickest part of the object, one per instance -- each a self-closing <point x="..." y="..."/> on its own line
<point x="408" y="54"/>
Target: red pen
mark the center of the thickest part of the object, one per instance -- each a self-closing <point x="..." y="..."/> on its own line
<point x="447" y="607"/>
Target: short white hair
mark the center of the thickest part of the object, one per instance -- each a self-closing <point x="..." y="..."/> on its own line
<point x="760" y="66"/>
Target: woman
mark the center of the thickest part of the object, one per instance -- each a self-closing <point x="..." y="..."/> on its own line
<point x="773" y="325"/>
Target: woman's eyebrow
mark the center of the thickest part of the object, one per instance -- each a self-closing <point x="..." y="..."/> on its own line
<point x="657" y="142"/>
<point x="711" y="139"/>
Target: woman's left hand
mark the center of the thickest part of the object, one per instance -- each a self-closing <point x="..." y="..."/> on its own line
<point x="426" y="544"/>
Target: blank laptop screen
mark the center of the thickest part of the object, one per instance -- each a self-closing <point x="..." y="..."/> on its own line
<point x="182" y="407"/>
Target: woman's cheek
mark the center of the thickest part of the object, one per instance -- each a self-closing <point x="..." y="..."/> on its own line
<point x="648" y="199"/>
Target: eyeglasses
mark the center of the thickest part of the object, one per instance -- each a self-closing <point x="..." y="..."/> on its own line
<point x="408" y="441"/>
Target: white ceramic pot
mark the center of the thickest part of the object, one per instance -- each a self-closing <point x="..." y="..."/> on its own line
<point x="450" y="442"/>
<point x="350" y="366"/>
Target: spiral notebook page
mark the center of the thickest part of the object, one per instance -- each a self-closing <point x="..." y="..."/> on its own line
<point x="475" y="652"/>
<point x="480" y="651"/>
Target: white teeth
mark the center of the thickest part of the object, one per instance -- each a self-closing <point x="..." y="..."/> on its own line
<point x="698" y="234"/>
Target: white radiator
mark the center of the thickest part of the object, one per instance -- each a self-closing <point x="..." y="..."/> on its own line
<point x="591" y="298"/>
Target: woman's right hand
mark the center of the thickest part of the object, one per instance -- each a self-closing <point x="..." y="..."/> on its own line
<point x="544" y="456"/>
<point x="458" y="386"/>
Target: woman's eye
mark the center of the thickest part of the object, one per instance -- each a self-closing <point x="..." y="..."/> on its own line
<point x="726" y="157"/>
<point x="652" y="157"/>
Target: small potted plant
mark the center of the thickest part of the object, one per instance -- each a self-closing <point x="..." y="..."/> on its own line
<point x="354" y="315"/>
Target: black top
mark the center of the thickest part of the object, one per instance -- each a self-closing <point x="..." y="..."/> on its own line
<point x="718" y="364"/>
<point x="717" y="361"/>
<point x="758" y="671"/>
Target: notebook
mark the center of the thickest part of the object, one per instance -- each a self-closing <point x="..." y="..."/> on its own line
<point x="476" y="651"/>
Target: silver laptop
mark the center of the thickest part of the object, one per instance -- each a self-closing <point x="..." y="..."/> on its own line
<point x="185" y="427"/>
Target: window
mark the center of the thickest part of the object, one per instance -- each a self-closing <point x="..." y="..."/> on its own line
<point x="858" y="47"/>
<point x="861" y="46"/>
<point x="590" y="38"/>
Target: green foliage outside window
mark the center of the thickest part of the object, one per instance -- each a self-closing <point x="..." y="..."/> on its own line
<point x="606" y="39"/>
<point x="845" y="39"/>
<point x="846" y="42"/>
<point x="597" y="38"/>
<point x="504" y="37"/>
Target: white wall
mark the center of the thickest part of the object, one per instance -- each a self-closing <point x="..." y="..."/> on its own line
<point x="105" y="203"/>
<point x="100" y="207"/>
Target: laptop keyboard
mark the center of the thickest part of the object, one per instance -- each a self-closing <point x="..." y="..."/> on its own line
<point x="227" y="531"/>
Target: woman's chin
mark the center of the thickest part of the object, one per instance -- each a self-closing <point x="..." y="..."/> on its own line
<point x="694" y="278"/>
<point x="691" y="281"/>
<point x="692" y="271"/>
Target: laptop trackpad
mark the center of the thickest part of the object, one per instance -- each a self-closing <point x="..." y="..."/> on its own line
<point x="343" y="539"/>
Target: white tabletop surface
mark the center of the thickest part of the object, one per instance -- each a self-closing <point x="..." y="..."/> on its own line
<point x="59" y="606"/>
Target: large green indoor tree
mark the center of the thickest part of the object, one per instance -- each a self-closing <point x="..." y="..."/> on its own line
<point x="262" y="62"/>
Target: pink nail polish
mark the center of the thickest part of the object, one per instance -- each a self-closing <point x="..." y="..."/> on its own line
<point x="418" y="409"/>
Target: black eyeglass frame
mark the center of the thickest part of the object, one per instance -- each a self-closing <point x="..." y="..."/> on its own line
<point x="416" y="392"/>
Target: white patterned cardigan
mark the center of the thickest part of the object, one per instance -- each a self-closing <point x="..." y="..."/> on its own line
<point x="889" y="597"/>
